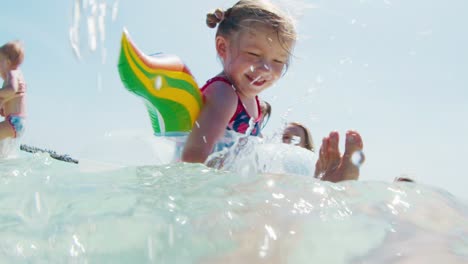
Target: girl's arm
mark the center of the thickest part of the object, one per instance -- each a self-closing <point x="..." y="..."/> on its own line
<point x="10" y="87"/>
<point x="220" y="105"/>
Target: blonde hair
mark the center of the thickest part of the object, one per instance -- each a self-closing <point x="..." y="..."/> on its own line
<point x="265" y="108"/>
<point x="246" y="12"/>
<point x="14" y="52"/>
<point x="308" y="143"/>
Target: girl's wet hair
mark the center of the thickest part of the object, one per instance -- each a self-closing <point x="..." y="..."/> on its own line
<point x="14" y="52"/>
<point x="246" y="12"/>
<point x="308" y="143"/>
<point x="265" y="107"/>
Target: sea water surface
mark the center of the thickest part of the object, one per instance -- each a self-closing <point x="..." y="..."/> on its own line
<point x="57" y="212"/>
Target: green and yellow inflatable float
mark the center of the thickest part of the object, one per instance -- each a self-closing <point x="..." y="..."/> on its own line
<point x="170" y="92"/>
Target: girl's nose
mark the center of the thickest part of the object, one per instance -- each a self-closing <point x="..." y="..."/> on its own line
<point x="261" y="67"/>
<point x="265" y="67"/>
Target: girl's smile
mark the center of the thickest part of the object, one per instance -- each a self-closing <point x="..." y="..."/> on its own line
<point x="255" y="60"/>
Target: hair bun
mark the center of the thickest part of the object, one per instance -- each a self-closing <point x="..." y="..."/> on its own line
<point x="212" y="19"/>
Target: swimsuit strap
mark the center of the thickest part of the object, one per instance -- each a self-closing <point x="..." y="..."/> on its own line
<point x="240" y="104"/>
<point x="216" y="79"/>
<point x="239" y="122"/>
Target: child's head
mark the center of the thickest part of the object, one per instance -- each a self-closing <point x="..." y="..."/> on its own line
<point x="13" y="54"/>
<point x="299" y="133"/>
<point x="254" y="40"/>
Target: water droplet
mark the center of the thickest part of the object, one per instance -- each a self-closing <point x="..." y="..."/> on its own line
<point x="229" y="215"/>
<point x="92" y="35"/>
<point x="319" y="190"/>
<point x="204" y="139"/>
<point x="115" y="10"/>
<point x="346" y="61"/>
<point x="101" y="23"/>
<point x="252" y="68"/>
<point x="295" y="140"/>
<point x="357" y="158"/>
<point x="75" y="29"/>
<point x="278" y="196"/>
<point x="271" y="232"/>
<point x="197" y="124"/>
<point x="256" y="79"/>
<point x="158" y="82"/>
<point x="37" y="199"/>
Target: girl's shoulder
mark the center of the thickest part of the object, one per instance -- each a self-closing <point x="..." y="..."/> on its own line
<point x="219" y="86"/>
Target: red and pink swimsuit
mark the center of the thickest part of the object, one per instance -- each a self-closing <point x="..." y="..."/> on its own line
<point x="240" y="120"/>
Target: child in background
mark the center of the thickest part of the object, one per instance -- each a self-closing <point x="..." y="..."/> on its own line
<point x="298" y="134"/>
<point x="12" y="93"/>
<point x="254" y="42"/>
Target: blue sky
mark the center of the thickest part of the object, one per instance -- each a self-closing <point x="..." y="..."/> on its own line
<point x="393" y="70"/>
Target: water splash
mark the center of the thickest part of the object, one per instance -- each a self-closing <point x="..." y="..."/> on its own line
<point x="94" y="14"/>
<point x="75" y="29"/>
<point x="84" y="217"/>
<point x="9" y="148"/>
<point x="295" y="140"/>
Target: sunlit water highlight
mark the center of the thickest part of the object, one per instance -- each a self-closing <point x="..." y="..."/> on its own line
<point x="57" y="212"/>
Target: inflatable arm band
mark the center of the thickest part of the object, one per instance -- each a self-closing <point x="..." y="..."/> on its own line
<point x="169" y="90"/>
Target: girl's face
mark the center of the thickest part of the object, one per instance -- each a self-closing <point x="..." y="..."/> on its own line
<point x="254" y="59"/>
<point x="294" y="135"/>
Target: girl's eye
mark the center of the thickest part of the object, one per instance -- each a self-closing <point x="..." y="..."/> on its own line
<point x="279" y="62"/>
<point x="253" y="54"/>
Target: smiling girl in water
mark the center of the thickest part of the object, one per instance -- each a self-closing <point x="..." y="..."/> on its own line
<point x="254" y="42"/>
